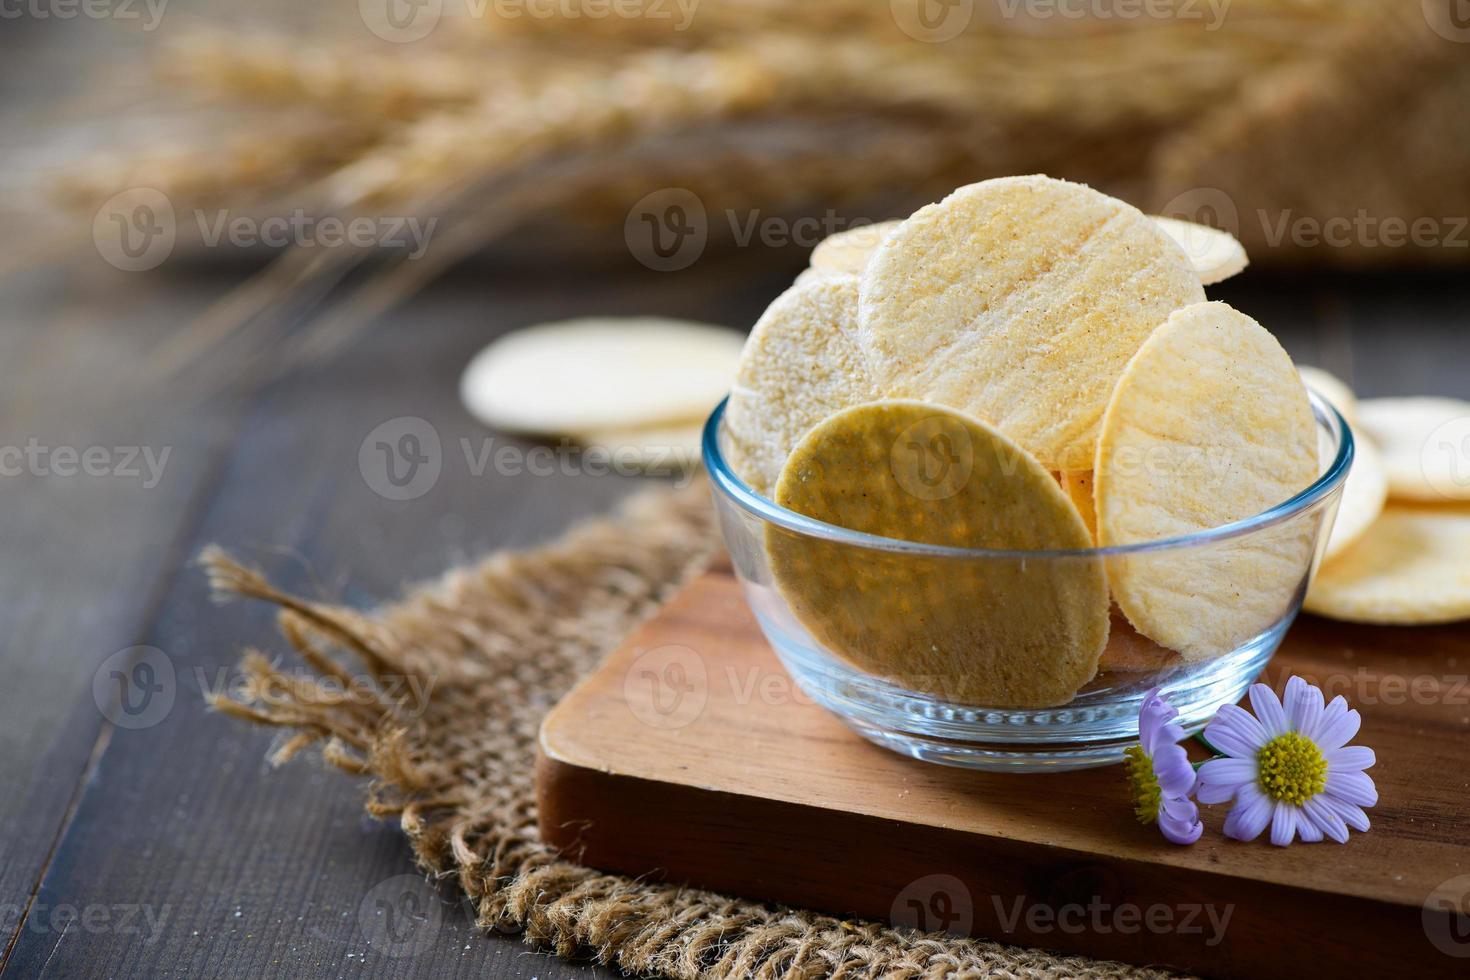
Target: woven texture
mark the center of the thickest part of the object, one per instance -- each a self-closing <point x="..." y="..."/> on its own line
<point x="496" y="645"/>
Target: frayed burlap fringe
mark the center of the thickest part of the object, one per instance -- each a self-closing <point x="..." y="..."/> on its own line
<point x="462" y="671"/>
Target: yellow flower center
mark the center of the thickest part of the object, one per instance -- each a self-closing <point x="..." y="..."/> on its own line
<point x="1291" y="768"/>
<point x="1142" y="783"/>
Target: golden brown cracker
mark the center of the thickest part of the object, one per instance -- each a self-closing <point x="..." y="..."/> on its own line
<point x="998" y="631"/>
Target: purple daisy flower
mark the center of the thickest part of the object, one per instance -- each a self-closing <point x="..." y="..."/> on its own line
<point x="1289" y="766"/>
<point x="1159" y="774"/>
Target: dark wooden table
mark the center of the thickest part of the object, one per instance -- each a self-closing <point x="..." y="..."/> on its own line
<point x="172" y="849"/>
<point x="250" y="871"/>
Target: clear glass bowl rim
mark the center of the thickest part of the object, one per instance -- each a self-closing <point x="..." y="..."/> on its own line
<point x="736" y="489"/>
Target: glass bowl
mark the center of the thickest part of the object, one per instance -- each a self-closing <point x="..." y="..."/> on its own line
<point x="911" y="715"/>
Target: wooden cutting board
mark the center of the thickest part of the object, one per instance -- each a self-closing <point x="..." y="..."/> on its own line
<point x="690" y="756"/>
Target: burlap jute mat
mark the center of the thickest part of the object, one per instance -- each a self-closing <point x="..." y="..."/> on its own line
<point x="495" y="645"/>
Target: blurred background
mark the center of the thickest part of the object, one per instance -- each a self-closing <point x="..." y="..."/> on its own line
<point x="1323" y="133"/>
<point x="359" y="149"/>
<point x="242" y="239"/>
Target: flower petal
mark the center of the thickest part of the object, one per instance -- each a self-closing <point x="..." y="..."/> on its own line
<point x="1219" y="779"/>
<point x="1304" y="705"/>
<point x="1173" y="771"/>
<point x="1353" y="787"/>
<point x="1335" y="709"/>
<point x="1250" y="815"/>
<point x="1351" y="813"/>
<point x="1179" y="822"/>
<point x="1180" y="807"/>
<point x="1321" y="816"/>
<point x="1268" y="710"/>
<point x="1163" y="737"/>
<point x="1307" y="829"/>
<point x="1153" y="715"/>
<point x="1235" y="732"/>
<point x="1283" y="824"/>
<point x="1336" y="728"/>
<point x="1351" y="758"/>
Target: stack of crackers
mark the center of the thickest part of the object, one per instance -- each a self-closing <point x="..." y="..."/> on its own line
<point x="1400" y="551"/>
<point x="1031" y="367"/>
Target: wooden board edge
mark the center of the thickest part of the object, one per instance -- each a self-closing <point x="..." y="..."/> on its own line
<point x="1010" y="891"/>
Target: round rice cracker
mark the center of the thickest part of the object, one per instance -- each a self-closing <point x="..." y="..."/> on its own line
<point x="1363" y="497"/>
<point x="1333" y="389"/>
<point x="1425" y="444"/>
<point x="799" y="366"/>
<point x="995" y="632"/>
<point x="848" y="251"/>
<point x="1411" y="568"/>
<point x="1214" y="255"/>
<point x="1020" y="301"/>
<point x="601" y="373"/>
<point x="1210" y="424"/>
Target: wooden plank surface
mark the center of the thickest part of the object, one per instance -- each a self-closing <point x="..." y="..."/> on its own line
<point x="736" y="781"/>
<point x="68" y="608"/>
<point x="254" y="872"/>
